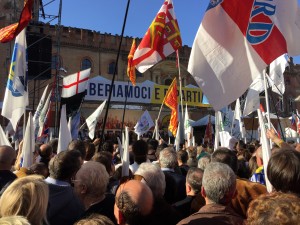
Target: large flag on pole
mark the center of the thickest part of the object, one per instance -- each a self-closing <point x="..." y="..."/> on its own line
<point x="92" y="120"/>
<point x="172" y="102"/>
<point x="235" y="42"/>
<point x="161" y="39"/>
<point x="144" y="124"/>
<point x="10" y="32"/>
<point x="16" y="94"/>
<point x="130" y="66"/>
<point x="28" y="144"/>
<point x="64" y="136"/>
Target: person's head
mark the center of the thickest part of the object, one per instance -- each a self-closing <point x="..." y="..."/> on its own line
<point x="104" y="158"/>
<point x="140" y="151"/>
<point x="90" y="150"/>
<point x="182" y="157"/>
<point x="40" y="169"/>
<point x="152" y="144"/>
<point x="108" y="146"/>
<point x="7" y="157"/>
<point x="14" y="220"/>
<point x="275" y="208"/>
<point x="54" y="143"/>
<point x="64" y="165"/>
<point x="218" y="183"/>
<point x="152" y="175"/>
<point x="26" y="196"/>
<point x="194" y="181"/>
<point x="168" y="158"/>
<point x="204" y="161"/>
<point x="90" y="182"/>
<point x="79" y="146"/>
<point x="284" y="171"/>
<point x="134" y="201"/>
<point x="224" y="155"/>
<point x="95" y="219"/>
<point x="45" y="151"/>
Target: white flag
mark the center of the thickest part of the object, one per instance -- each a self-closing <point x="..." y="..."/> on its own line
<point x="75" y="83"/>
<point x="38" y="111"/>
<point x="3" y="138"/>
<point x="29" y="144"/>
<point x="125" y="158"/>
<point x="64" y="137"/>
<point x="177" y="138"/>
<point x="43" y="115"/>
<point x="238" y="116"/>
<point x="277" y="68"/>
<point x="188" y="129"/>
<point x="144" y="124"/>
<point x="92" y="120"/>
<point x="16" y="94"/>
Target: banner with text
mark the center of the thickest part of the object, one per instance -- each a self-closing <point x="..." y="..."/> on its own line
<point x="147" y="92"/>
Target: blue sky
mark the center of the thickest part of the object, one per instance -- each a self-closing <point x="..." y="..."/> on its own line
<point x="107" y="16"/>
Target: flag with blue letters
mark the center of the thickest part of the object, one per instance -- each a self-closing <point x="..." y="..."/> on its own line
<point x="16" y="94"/>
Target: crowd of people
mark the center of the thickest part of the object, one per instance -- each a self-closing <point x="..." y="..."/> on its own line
<point x="84" y="185"/>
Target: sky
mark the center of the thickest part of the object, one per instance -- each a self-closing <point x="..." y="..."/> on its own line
<point x="107" y="16"/>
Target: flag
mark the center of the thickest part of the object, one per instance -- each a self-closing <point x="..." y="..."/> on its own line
<point x="10" y="32"/>
<point x="252" y="101"/>
<point x="125" y="157"/>
<point x="144" y="124"/>
<point x="64" y="136"/>
<point x="74" y="91"/>
<point x="74" y="125"/>
<point x="235" y="42"/>
<point x="44" y="116"/>
<point x="294" y="122"/>
<point x="171" y="101"/>
<point x="208" y="135"/>
<point x="177" y="139"/>
<point x="298" y="121"/>
<point x="3" y="138"/>
<point x="130" y="66"/>
<point x="75" y="83"/>
<point x="277" y="68"/>
<point x="28" y="144"/>
<point x="39" y="111"/>
<point x="156" y="130"/>
<point x="161" y="39"/>
<point x="238" y="116"/>
<point x="16" y="88"/>
<point x="92" y="120"/>
<point x="188" y="129"/>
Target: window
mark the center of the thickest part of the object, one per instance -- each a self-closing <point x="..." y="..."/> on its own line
<point x="56" y="60"/>
<point x="111" y="68"/>
<point x="168" y="81"/>
<point x="86" y="64"/>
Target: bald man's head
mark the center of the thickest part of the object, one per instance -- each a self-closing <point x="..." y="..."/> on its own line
<point x="7" y="157"/>
<point x="134" y="201"/>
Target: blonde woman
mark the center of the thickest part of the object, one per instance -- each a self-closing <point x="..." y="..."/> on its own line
<point x="28" y="197"/>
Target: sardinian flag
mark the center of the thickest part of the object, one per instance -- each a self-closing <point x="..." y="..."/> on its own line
<point x="75" y="83"/>
<point x="236" y="41"/>
<point x="74" y="91"/>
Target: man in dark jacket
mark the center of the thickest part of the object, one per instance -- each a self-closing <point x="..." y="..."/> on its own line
<point x="7" y="160"/>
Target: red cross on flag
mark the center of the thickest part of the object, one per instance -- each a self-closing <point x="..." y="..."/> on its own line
<point x="75" y="83"/>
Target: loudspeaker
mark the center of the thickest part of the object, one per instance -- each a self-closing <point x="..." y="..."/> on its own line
<point x="39" y="51"/>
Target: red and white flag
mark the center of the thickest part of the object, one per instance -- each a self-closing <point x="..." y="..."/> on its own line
<point x="161" y="39"/>
<point x="235" y="42"/>
<point x="75" y="83"/>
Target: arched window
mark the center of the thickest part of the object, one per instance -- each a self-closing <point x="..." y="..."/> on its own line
<point x="56" y="60"/>
<point x="85" y="64"/>
<point x="111" y="68"/>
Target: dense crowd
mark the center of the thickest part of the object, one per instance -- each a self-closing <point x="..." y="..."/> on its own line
<point x="194" y="185"/>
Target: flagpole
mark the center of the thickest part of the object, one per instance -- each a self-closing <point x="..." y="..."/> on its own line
<point x="124" y="110"/>
<point x="114" y="75"/>
<point x="180" y="82"/>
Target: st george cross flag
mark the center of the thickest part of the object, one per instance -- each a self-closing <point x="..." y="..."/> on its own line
<point x="130" y="66"/>
<point x="172" y="102"/>
<point x="235" y="42"/>
<point x="92" y="120"/>
<point x="75" y="83"/>
<point x="144" y="124"/>
<point x="16" y="94"/>
<point x="10" y="32"/>
<point x="161" y="39"/>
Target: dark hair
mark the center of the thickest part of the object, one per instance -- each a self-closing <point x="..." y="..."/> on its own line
<point x="152" y="144"/>
<point x="182" y="155"/>
<point x="226" y="156"/>
<point x="284" y="171"/>
<point x="64" y="165"/>
<point x="140" y="150"/>
<point x="77" y="145"/>
<point x="105" y="158"/>
<point x="39" y="168"/>
<point x="129" y="209"/>
<point x="90" y="150"/>
<point x="46" y="152"/>
<point x="108" y="146"/>
<point x="194" y="179"/>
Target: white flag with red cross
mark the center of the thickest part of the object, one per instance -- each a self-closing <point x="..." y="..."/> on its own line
<point x="75" y="83"/>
